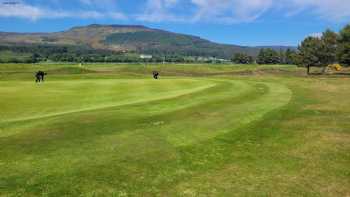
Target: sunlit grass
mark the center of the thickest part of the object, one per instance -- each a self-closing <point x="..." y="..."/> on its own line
<point x="104" y="130"/>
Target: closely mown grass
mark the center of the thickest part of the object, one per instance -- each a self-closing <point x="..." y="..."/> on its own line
<point x="209" y="130"/>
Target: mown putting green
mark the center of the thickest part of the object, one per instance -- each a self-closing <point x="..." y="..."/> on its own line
<point x="113" y="130"/>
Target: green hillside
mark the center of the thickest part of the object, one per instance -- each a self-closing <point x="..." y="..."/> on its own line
<point x="162" y="42"/>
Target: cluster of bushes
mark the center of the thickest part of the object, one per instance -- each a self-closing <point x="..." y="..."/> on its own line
<point x="38" y="53"/>
<point x="242" y="58"/>
<point x="15" y="59"/>
<point x="47" y="52"/>
<point x="267" y="56"/>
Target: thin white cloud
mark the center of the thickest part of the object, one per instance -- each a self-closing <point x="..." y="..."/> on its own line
<point x="34" y="13"/>
<point x="329" y="9"/>
<point x="213" y="11"/>
<point x="230" y="11"/>
<point x="237" y="11"/>
<point x="159" y="11"/>
<point x="100" y="4"/>
<point x="316" y="35"/>
<point x="20" y="11"/>
<point x="95" y="2"/>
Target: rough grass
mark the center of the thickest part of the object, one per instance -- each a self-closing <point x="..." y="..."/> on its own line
<point x="199" y="131"/>
<point x="7" y="56"/>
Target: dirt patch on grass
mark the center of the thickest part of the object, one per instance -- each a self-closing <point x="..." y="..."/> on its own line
<point x="280" y="71"/>
<point x="337" y="138"/>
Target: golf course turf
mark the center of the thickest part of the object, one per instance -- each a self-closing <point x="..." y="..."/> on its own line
<point x="200" y="130"/>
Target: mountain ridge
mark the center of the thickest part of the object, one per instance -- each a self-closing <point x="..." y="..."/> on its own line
<point x="132" y="38"/>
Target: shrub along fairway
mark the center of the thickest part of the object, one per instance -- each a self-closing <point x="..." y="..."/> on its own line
<point x="201" y="130"/>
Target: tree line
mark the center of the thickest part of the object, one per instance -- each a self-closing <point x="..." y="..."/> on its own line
<point x="267" y="56"/>
<point x="314" y="51"/>
<point x="33" y="53"/>
<point x="329" y="48"/>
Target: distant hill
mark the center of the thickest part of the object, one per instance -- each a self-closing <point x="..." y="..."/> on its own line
<point x="130" y="38"/>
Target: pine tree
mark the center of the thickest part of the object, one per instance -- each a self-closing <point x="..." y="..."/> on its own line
<point x="261" y="57"/>
<point x="328" y="51"/>
<point x="344" y="46"/>
<point x="268" y="56"/>
<point x="242" y="58"/>
<point x="309" y="52"/>
<point x="290" y="57"/>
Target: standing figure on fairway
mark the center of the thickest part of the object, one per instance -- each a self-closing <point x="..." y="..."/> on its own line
<point x="40" y="76"/>
<point x="155" y="74"/>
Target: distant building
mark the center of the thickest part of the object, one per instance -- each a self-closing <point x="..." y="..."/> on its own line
<point x="142" y="56"/>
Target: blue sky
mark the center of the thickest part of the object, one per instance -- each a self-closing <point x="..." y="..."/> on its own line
<point x="242" y="22"/>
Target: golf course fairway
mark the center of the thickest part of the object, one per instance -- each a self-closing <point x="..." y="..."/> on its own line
<point x="115" y="131"/>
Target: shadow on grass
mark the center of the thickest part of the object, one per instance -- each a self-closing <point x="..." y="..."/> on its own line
<point x="329" y="75"/>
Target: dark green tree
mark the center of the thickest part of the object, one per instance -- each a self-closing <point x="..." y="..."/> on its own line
<point x="290" y="57"/>
<point x="268" y="56"/>
<point x="261" y="57"/>
<point x="309" y="52"/>
<point x="344" y="46"/>
<point x="328" y="51"/>
<point x="282" y="56"/>
<point x="35" y="58"/>
<point x="242" y="58"/>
